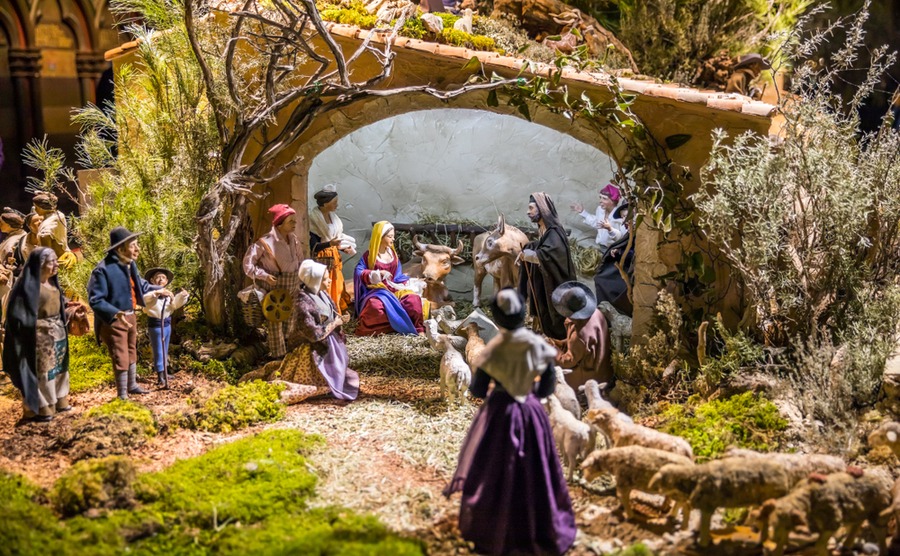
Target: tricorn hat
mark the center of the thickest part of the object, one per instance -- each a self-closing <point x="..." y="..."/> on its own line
<point x="574" y="300"/>
<point x="119" y="236"/>
<point x="749" y="59"/>
<point x="157" y="270"/>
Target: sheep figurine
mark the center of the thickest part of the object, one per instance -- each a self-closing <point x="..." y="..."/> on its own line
<point x="474" y="344"/>
<point x="574" y="439"/>
<point x="621" y="432"/>
<point x="633" y="467"/>
<point x="894" y="508"/>
<point x="887" y="434"/>
<point x="566" y="394"/>
<point x="825" y="504"/>
<point x="455" y="373"/>
<point x="464" y="23"/>
<point x="725" y="483"/>
<point x="592" y="391"/>
<point x="797" y="466"/>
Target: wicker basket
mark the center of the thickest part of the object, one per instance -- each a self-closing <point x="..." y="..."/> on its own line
<point x="251" y="307"/>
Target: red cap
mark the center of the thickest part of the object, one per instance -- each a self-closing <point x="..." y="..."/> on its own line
<point x="612" y="192"/>
<point x="280" y="212"/>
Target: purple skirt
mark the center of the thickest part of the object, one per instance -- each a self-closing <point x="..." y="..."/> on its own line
<point x="514" y="494"/>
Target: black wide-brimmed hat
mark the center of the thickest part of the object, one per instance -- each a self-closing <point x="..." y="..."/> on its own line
<point x="748" y="59"/>
<point x="574" y="300"/>
<point x="156" y="270"/>
<point x="508" y="309"/>
<point x="120" y="235"/>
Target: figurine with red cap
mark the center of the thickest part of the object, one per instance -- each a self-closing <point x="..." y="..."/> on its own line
<point x="272" y="262"/>
<point x="606" y="219"/>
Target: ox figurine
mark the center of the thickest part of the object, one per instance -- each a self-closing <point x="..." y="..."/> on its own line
<point x="437" y="261"/>
<point x="495" y="253"/>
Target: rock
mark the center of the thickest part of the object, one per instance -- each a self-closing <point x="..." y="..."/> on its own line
<point x="739" y="383"/>
<point x="205" y="352"/>
<point x="433" y="23"/>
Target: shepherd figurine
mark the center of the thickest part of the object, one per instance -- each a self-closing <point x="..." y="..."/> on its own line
<point x="159" y="311"/>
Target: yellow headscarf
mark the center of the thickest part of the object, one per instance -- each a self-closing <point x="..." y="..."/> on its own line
<point x="378" y="232"/>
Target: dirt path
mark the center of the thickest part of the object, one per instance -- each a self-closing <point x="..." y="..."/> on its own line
<point x="391" y="452"/>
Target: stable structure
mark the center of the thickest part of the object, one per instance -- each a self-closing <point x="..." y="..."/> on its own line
<point x="665" y="109"/>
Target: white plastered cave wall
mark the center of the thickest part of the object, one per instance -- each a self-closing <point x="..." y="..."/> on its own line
<point x="460" y="164"/>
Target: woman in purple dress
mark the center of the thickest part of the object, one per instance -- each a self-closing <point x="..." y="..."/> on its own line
<point x="514" y="494"/>
<point x="320" y="357"/>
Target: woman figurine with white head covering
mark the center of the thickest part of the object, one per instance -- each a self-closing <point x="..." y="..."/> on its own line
<point x="36" y="346"/>
<point x="327" y="241"/>
<point x="319" y="357"/>
<point x="514" y="494"/>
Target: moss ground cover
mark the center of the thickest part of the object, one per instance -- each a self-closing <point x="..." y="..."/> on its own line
<point x="235" y="407"/>
<point x="746" y="420"/>
<point x="247" y="497"/>
<point x="89" y="365"/>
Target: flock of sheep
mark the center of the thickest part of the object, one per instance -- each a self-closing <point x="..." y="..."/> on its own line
<point x="820" y="493"/>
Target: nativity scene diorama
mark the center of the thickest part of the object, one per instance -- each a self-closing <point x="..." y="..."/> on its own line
<point x="440" y="277"/>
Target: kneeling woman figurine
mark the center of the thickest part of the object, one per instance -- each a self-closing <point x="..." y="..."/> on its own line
<point x="514" y="494"/>
<point x="319" y="357"/>
<point x="36" y="347"/>
<point x="383" y="305"/>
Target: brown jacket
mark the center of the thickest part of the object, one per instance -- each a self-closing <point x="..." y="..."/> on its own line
<point x="586" y="350"/>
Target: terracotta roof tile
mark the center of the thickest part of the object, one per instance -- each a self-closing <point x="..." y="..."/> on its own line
<point x="756" y="108"/>
<point x="422" y="46"/>
<point x="712" y="99"/>
<point x="726" y="102"/>
<point x="451" y="51"/>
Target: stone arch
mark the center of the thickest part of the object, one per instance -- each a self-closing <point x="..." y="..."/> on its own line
<point x="340" y="124"/>
<point x="18" y="31"/>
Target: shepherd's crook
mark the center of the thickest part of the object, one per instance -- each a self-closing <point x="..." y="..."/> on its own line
<point x="164" y="346"/>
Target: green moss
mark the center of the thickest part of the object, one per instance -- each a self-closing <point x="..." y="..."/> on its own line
<point x="355" y="14"/>
<point x="746" y="420"/>
<point x="127" y="409"/>
<point x="226" y="371"/>
<point x="26" y="523"/>
<point x="100" y="483"/>
<point x="461" y="38"/>
<point x="321" y="531"/>
<point x="247" y="481"/>
<point x="90" y="366"/>
<point x="246" y="497"/>
<point x="113" y="428"/>
<point x="639" y="549"/>
<point x="448" y="18"/>
<point x="235" y="407"/>
<point x="413" y="28"/>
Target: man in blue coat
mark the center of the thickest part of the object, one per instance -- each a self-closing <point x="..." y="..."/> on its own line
<point x="114" y="290"/>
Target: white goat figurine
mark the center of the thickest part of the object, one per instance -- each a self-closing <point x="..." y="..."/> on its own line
<point x="456" y="376"/>
<point x="574" y="438"/>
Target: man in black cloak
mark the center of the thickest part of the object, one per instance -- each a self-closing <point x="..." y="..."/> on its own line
<point x="546" y="263"/>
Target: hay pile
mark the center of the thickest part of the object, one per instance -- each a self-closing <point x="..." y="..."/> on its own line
<point x="393" y="355"/>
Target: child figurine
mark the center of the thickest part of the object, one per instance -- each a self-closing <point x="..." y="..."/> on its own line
<point x="159" y="308"/>
<point x="514" y="494"/>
